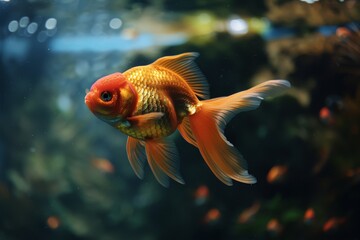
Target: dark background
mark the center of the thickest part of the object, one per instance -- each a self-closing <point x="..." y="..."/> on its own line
<point x="64" y="174"/>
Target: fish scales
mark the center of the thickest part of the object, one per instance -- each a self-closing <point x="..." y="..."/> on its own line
<point x="157" y="89"/>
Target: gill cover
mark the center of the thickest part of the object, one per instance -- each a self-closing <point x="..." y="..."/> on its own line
<point x="128" y="99"/>
<point x="111" y="97"/>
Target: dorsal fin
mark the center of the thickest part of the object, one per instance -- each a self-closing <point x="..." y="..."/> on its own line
<point x="184" y="66"/>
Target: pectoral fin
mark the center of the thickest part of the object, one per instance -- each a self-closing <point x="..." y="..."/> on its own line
<point x="136" y="153"/>
<point x="145" y="119"/>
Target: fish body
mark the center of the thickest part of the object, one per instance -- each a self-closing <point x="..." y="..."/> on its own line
<point x="148" y="103"/>
<point x="161" y="91"/>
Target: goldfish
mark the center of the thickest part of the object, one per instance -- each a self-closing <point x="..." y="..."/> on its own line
<point x="53" y="222"/>
<point x="309" y="215"/>
<point x="103" y="165"/>
<point x="248" y="213"/>
<point x="212" y="216"/>
<point x="276" y="173"/>
<point x="333" y="223"/>
<point x="149" y="103"/>
<point x="326" y="115"/>
<point x="201" y="194"/>
<point x="343" y="32"/>
<point x="274" y="226"/>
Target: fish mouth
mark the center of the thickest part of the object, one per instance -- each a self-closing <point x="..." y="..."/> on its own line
<point x="88" y="99"/>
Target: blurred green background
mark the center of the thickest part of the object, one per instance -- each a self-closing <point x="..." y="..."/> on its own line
<point x="65" y="175"/>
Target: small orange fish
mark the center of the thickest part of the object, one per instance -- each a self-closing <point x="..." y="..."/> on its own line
<point x="326" y="116"/>
<point x="276" y="173"/>
<point x="148" y="103"/>
<point x="201" y="194"/>
<point x="274" y="226"/>
<point x="343" y="32"/>
<point x="103" y="165"/>
<point x="212" y="215"/>
<point x="53" y="222"/>
<point x="333" y="223"/>
<point x="309" y="215"/>
<point x="248" y="213"/>
<point x="353" y="172"/>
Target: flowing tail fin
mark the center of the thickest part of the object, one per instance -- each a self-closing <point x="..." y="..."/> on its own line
<point x="205" y="130"/>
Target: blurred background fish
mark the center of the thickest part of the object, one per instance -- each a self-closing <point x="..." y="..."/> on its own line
<point x="276" y="173"/>
<point x="309" y="215"/>
<point x="201" y="195"/>
<point x="248" y="213"/>
<point x="212" y="216"/>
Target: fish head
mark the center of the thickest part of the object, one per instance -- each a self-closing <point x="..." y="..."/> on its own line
<point x="111" y="98"/>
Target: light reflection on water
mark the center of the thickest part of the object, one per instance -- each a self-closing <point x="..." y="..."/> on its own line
<point x="115" y="43"/>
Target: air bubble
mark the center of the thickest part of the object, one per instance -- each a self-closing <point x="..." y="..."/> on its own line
<point x="13" y="26"/>
<point x="115" y="23"/>
<point x="32" y="28"/>
<point x="50" y="23"/>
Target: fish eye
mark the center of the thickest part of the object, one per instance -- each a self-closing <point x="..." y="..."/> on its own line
<point x="106" y="96"/>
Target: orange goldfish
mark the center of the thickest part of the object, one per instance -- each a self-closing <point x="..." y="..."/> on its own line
<point x="103" y="165"/>
<point x="274" y="226"/>
<point x="148" y="103"/>
<point x="333" y="223"/>
<point x="53" y="222"/>
<point x="248" y="213"/>
<point x="201" y="194"/>
<point x="212" y="215"/>
<point x="276" y="173"/>
<point x="309" y="215"/>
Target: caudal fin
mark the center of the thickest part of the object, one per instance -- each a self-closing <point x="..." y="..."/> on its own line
<point x="207" y="130"/>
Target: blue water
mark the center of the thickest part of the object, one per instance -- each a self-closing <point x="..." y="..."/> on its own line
<point x="64" y="174"/>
